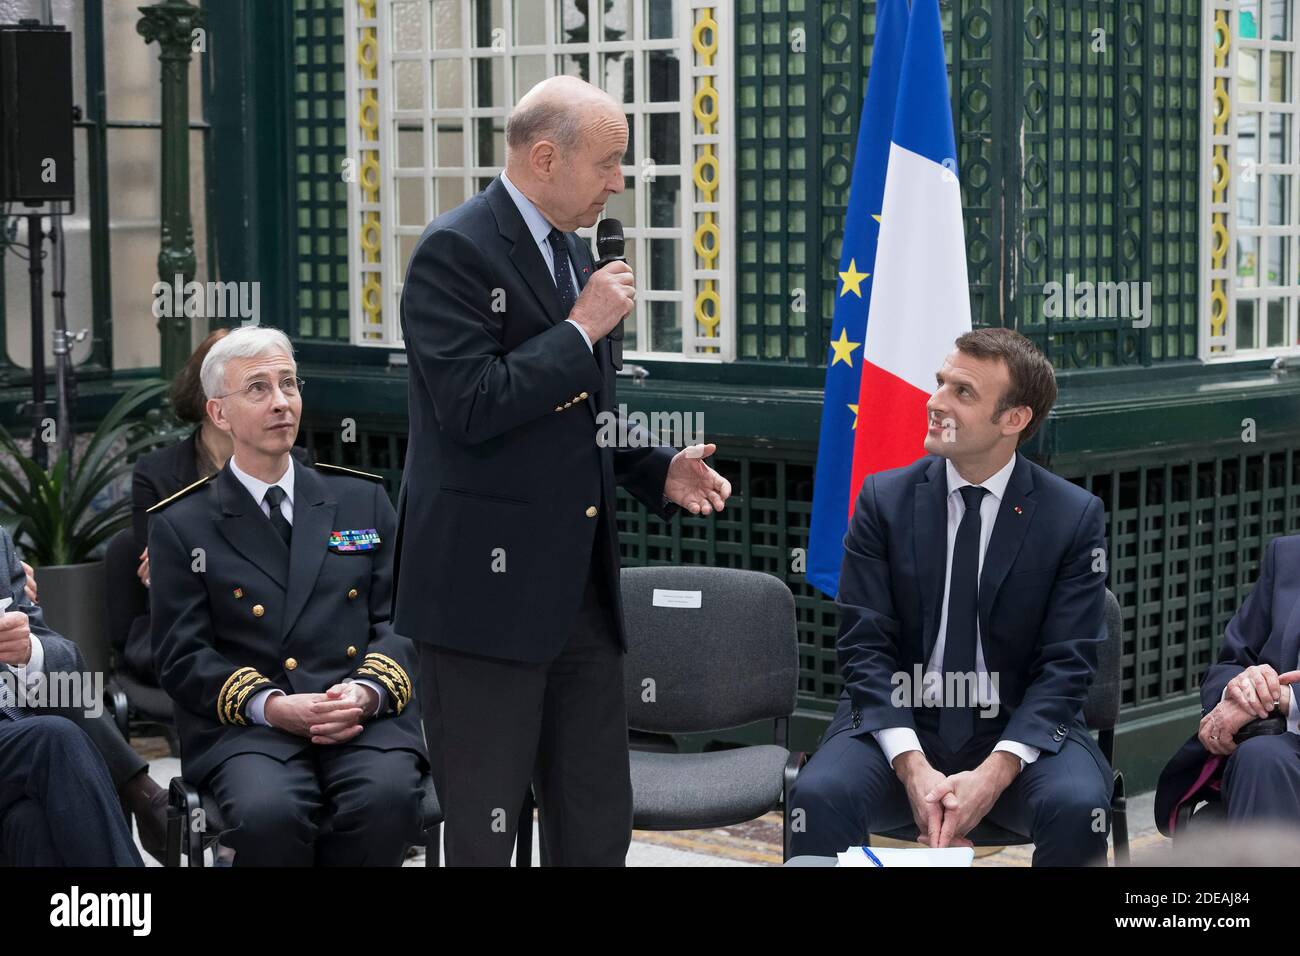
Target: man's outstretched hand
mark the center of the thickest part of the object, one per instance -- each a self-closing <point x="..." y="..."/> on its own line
<point x="693" y="485"/>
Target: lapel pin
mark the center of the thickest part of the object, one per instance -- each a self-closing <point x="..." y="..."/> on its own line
<point x="239" y="592"/>
<point x="1019" y="510"/>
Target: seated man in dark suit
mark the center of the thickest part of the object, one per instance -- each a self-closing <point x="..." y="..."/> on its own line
<point x="270" y="596"/>
<point x="987" y="572"/>
<point x="58" y="805"/>
<point x="1255" y="676"/>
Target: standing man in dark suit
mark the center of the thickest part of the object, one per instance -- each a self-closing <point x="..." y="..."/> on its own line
<point x="509" y="567"/>
<point x="986" y="574"/>
<point x="270" y="600"/>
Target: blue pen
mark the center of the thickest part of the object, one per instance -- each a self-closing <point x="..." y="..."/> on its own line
<point x="871" y="856"/>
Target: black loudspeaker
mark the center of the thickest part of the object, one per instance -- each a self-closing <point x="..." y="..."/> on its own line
<point x="35" y="114"/>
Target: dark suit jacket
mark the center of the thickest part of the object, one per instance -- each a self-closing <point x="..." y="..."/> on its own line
<point x="60" y="653"/>
<point x="1041" y="601"/>
<point x="502" y="460"/>
<point x="324" y="614"/>
<point x="1265" y="630"/>
<point x="156" y="476"/>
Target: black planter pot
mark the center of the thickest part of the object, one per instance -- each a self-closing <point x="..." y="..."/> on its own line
<point x="73" y="601"/>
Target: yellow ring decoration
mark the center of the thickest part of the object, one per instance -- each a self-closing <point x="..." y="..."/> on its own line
<point x="697" y="36"/>
<point x="708" y="253"/>
<point x="1221" y="107"/>
<point x="710" y="162"/>
<point x="1218" y="309"/>
<point x="1219" y="174"/>
<point x="710" y="322"/>
<point x="1220" y="247"/>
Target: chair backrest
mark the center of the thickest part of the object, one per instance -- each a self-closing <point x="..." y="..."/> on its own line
<point x="1101" y="709"/>
<point x="127" y="598"/>
<point x="708" y="648"/>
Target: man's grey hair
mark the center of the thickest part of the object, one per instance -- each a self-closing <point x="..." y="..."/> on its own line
<point x="531" y="123"/>
<point x="247" y="341"/>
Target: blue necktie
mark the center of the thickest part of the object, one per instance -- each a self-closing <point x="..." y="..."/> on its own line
<point x="957" y="724"/>
<point x="563" y="274"/>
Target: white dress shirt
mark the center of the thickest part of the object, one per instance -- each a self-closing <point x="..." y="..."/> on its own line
<point x="897" y="740"/>
<point x="258" y="489"/>
<point x="28" y="674"/>
<point x="540" y="229"/>
<point x="1292" y="715"/>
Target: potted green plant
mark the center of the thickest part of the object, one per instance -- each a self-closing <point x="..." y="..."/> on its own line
<point x="54" y="515"/>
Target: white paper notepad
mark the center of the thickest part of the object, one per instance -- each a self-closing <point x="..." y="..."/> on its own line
<point x="920" y="856"/>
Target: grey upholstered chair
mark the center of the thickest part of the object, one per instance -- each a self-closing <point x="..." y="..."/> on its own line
<point x="709" y="649"/>
<point x="1101" y="713"/>
<point x="733" y="660"/>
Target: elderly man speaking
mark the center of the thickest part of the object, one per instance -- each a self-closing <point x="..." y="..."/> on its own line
<point x="508" y="575"/>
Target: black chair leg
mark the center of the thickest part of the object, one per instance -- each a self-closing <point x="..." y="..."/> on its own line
<point x="792" y="767"/>
<point x="1119" y="821"/>
<point x="524" y="836"/>
<point x="175" y="823"/>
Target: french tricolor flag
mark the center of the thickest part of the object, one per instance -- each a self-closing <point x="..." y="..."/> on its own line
<point x="920" y="301"/>
<point x="901" y="299"/>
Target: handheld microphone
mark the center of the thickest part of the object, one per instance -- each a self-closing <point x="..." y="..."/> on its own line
<point x="609" y="246"/>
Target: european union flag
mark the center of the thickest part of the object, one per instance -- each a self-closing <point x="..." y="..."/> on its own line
<point x="832" y="496"/>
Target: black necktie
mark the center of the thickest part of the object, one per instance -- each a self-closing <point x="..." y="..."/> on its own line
<point x="957" y="724"/>
<point x="274" y="496"/>
<point x="563" y="274"/>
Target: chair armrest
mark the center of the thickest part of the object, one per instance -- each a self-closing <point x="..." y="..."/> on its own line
<point x="116" y="703"/>
<point x="185" y="806"/>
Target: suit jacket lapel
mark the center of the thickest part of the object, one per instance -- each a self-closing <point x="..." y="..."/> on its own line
<point x="313" y="519"/>
<point x="247" y="530"/>
<point x="1289" y="648"/>
<point x="930" y="547"/>
<point x="524" y="253"/>
<point x="1004" y="544"/>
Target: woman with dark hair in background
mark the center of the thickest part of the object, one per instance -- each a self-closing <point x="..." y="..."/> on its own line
<point x="165" y="471"/>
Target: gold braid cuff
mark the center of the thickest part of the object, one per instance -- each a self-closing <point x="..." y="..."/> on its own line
<point x="230" y="702"/>
<point x="389" y="673"/>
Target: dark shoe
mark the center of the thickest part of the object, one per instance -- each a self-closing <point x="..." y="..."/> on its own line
<point x="148" y="804"/>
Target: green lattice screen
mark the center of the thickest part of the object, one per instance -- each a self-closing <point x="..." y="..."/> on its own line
<point x="1185" y="540"/>
<point x="1110" y="172"/>
<point x="1107" y="192"/>
<point x="320" y="206"/>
